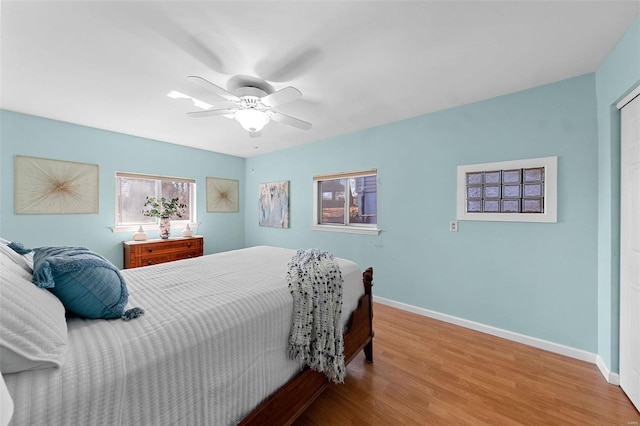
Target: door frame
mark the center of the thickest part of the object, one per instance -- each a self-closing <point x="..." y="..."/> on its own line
<point x="635" y="93"/>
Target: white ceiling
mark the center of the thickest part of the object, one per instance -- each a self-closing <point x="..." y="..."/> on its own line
<point x="358" y="64"/>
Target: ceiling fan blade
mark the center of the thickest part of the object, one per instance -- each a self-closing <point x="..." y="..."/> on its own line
<point x="290" y="65"/>
<point x="214" y="88"/>
<point x="291" y="121"/>
<point x="282" y="96"/>
<point x="211" y="112"/>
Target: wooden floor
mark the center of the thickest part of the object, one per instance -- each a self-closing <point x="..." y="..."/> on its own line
<point x="427" y="372"/>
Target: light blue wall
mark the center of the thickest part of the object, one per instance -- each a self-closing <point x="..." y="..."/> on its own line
<point x="536" y="279"/>
<point x="616" y="77"/>
<point x="38" y="137"/>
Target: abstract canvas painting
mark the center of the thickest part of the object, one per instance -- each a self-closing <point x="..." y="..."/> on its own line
<point x="45" y="186"/>
<point x="273" y="204"/>
<point x="222" y="195"/>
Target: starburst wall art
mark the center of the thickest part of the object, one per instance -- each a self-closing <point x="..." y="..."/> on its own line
<point x="222" y="195"/>
<point x="45" y="186"/>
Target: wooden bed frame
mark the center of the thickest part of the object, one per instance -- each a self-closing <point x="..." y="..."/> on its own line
<point x="288" y="402"/>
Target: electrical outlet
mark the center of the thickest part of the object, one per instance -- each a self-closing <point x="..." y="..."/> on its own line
<point x="453" y="226"/>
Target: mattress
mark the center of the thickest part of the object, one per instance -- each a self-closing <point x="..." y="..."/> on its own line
<point x="210" y="347"/>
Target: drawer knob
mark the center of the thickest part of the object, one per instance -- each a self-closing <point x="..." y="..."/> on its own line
<point x="189" y="245"/>
<point x="149" y="263"/>
<point x="150" y="250"/>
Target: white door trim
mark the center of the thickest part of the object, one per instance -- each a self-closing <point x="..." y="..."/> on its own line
<point x="629" y="348"/>
<point x="635" y="92"/>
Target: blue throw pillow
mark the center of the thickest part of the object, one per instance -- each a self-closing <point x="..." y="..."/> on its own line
<point x="19" y="248"/>
<point x="86" y="283"/>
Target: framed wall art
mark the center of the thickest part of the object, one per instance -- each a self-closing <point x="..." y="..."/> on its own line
<point x="273" y="204"/>
<point x="45" y="186"/>
<point x="222" y="195"/>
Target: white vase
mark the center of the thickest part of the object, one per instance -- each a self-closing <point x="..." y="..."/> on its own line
<point x="165" y="227"/>
<point x="140" y="235"/>
<point x="187" y="232"/>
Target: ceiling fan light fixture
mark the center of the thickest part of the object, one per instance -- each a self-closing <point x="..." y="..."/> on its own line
<point x="250" y="105"/>
<point x="251" y="119"/>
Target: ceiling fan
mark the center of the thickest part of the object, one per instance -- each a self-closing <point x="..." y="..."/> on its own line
<point x="252" y="105"/>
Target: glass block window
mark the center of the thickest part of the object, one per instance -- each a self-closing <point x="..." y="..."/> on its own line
<point x="506" y="191"/>
<point x="521" y="190"/>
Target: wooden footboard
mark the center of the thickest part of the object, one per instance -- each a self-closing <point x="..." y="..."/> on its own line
<point x="288" y="402"/>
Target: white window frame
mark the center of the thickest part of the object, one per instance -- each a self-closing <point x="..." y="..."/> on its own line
<point x="550" y="214"/>
<point x="350" y="228"/>
<point x="154" y="226"/>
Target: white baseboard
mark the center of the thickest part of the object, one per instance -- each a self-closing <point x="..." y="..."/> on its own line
<point x="509" y="335"/>
<point x="612" y="378"/>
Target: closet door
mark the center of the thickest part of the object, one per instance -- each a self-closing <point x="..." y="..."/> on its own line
<point x="630" y="251"/>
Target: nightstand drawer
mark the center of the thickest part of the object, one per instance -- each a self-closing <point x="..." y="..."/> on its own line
<point x="152" y="252"/>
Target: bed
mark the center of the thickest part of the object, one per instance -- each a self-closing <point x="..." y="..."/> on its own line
<point x="209" y="350"/>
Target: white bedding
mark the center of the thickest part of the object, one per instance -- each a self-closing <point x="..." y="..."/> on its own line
<point x="210" y="347"/>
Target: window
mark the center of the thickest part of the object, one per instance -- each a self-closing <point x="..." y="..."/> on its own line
<point x="506" y="191"/>
<point x="133" y="189"/>
<point x="522" y="191"/>
<point x="346" y="202"/>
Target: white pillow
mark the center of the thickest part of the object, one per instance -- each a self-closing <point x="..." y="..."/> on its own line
<point x="17" y="258"/>
<point x="6" y="402"/>
<point x="33" y="328"/>
<point x="28" y="259"/>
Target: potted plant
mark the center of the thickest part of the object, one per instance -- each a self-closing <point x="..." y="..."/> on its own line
<point x="163" y="209"/>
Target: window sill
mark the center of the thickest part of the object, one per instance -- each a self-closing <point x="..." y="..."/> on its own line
<point x="175" y="224"/>
<point x="347" y="229"/>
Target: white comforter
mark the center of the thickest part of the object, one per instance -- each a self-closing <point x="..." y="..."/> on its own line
<point x="210" y="347"/>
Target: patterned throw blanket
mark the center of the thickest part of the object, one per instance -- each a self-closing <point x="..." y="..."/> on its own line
<point x="315" y="282"/>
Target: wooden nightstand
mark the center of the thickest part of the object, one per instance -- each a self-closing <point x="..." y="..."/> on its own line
<point x="152" y="252"/>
